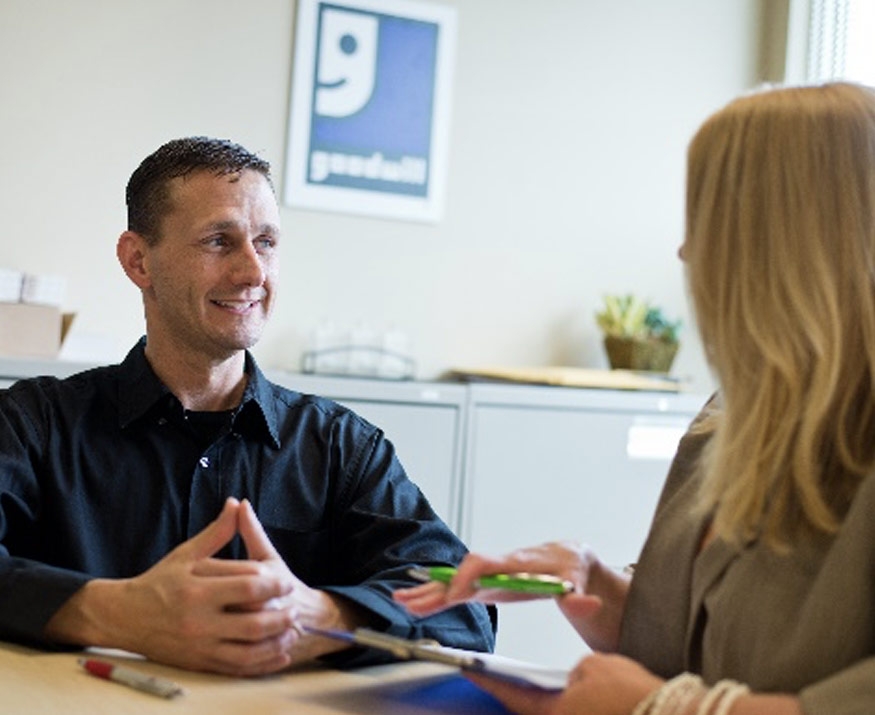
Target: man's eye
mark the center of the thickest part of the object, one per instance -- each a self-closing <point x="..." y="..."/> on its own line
<point x="216" y="241"/>
<point x="265" y="243"/>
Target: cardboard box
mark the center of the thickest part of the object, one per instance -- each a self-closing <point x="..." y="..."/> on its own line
<point x="32" y="330"/>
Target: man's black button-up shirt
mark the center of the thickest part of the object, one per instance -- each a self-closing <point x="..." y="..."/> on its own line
<point x="102" y="474"/>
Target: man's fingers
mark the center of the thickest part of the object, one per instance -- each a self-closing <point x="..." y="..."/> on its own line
<point x="226" y="591"/>
<point x="216" y="535"/>
<point x="256" y="626"/>
<point x="243" y="658"/>
<point x="257" y="543"/>
<point x="227" y="567"/>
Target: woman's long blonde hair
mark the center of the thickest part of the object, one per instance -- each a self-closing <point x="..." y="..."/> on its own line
<point x="780" y="253"/>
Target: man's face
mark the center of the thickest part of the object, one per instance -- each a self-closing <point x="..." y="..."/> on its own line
<point x="215" y="267"/>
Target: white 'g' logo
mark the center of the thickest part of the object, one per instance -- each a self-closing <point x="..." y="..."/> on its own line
<point x="347" y="62"/>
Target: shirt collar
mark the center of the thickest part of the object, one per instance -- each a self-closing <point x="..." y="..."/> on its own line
<point x="259" y="405"/>
<point x="142" y="392"/>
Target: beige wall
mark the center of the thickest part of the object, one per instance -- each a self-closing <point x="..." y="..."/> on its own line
<point x="570" y="122"/>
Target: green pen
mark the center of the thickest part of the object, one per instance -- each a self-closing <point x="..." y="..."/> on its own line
<point x="533" y="583"/>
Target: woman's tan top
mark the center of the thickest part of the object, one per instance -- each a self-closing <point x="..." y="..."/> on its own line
<point x="797" y="623"/>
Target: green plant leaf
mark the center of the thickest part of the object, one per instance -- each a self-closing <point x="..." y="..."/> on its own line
<point x="628" y="316"/>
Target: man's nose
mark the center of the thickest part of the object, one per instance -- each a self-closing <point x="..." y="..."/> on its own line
<point x="248" y="266"/>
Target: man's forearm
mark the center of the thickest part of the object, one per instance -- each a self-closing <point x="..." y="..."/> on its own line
<point x="90" y="617"/>
<point x="30" y="594"/>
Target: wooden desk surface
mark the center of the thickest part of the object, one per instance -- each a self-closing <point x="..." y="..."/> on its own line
<point x="35" y="682"/>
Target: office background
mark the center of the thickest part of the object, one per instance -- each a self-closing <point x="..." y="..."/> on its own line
<point x="569" y="126"/>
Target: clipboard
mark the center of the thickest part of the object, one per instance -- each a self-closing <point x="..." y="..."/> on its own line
<point x="517" y="671"/>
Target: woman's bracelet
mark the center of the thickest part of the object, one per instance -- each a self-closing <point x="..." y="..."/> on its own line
<point x="678" y="696"/>
<point x="727" y="692"/>
<point x="673" y="697"/>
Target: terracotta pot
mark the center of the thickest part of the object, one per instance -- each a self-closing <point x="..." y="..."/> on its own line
<point x="632" y="354"/>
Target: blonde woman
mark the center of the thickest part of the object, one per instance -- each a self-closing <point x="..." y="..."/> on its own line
<point x="754" y="592"/>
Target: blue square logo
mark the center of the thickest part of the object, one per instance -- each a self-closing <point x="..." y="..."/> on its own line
<point x="371" y="112"/>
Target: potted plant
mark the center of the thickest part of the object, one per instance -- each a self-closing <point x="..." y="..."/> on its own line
<point x="637" y="335"/>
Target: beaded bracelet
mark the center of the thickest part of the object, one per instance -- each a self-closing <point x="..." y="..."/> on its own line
<point x="713" y="696"/>
<point x="676" y="696"/>
<point x="643" y="708"/>
<point x="730" y="691"/>
<point x="673" y="697"/>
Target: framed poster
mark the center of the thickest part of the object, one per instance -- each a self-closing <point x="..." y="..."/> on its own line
<point x="370" y="107"/>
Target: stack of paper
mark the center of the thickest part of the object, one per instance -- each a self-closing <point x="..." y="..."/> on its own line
<point x="571" y="377"/>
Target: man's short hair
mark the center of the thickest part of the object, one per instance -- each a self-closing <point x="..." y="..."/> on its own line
<point x="147" y="195"/>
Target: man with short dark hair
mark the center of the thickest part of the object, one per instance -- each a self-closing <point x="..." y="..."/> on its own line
<point x="179" y="504"/>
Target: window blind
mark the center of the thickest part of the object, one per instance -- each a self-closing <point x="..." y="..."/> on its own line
<point x="830" y="39"/>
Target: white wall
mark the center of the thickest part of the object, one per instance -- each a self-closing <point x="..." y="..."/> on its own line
<point x="570" y="122"/>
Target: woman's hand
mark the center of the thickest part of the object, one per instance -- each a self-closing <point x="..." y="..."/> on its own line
<point x="594" y="607"/>
<point x="599" y="684"/>
<point x="562" y="559"/>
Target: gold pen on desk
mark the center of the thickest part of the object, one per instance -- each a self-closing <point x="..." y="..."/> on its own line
<point x="132" y="678"/>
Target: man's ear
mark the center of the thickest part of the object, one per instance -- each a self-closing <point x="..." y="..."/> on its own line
<point x="131" y="252"/>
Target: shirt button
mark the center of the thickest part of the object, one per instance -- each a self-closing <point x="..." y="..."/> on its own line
<point x="205" y="462"/>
